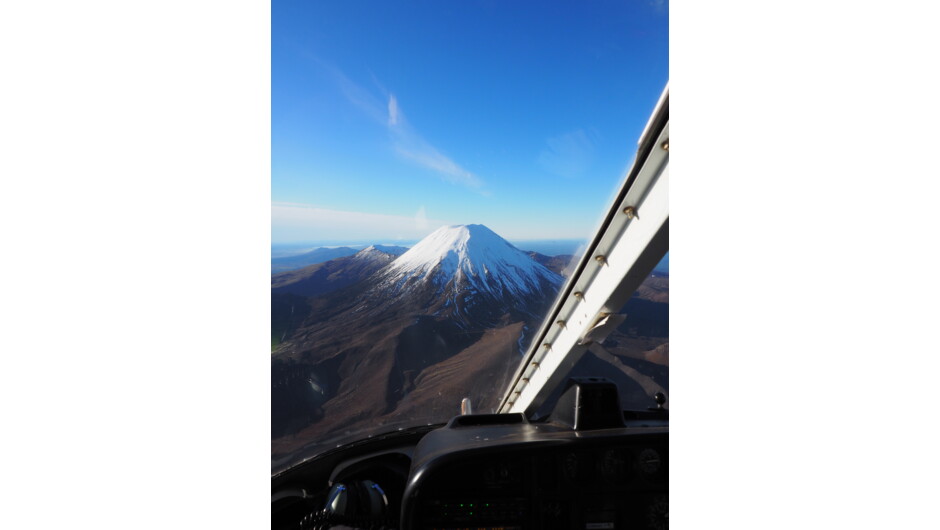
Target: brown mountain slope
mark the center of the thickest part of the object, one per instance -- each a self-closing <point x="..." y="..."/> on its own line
<point x="481" y="369"/>
<point x="654" y="289"/>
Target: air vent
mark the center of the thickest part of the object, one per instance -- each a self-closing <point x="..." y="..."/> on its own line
<point x="474" y="420"/>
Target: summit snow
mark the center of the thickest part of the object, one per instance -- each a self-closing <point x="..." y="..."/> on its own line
<point x="469" y="256"/>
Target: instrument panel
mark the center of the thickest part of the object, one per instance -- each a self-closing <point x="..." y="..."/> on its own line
<point x="490" y="476"/>
<point x="539" y="477"/>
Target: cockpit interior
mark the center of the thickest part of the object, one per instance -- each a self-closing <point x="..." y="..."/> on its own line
<point x="561" y="451"/>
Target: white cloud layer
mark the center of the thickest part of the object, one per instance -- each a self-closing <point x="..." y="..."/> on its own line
<point x="293" y="222"/>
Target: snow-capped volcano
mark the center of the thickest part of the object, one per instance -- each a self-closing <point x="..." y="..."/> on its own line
<point x="453" y="312"/>
<point x="469" y="257"/>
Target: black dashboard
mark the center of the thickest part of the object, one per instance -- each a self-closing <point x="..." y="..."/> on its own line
<point x="487" y="471"/>
<point x="588" y="465"/>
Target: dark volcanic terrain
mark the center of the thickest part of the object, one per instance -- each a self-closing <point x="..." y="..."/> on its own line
<point x="373" y="341"/>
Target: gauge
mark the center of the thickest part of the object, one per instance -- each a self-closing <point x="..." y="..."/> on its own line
<point x="650" y="461"/>
<point x="498" y="474"/>
<point x="612" y="465"/>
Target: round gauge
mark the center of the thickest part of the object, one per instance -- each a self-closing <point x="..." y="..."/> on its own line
<point x="649" y="461"/>
<point x="489" y="475"/>
<point x="612" y="465"/>
<point x="496" y="474"/>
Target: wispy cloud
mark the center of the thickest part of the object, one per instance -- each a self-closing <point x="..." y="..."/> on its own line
<point x="406" y="142"/>
<point x="568" y="155"/>
<point x="303" y="222"/>
<point x="392" y="111"/>
<point x="412" y="147"/>
<point x="361" y="98"/>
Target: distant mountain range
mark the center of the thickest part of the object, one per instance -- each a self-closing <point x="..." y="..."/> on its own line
<point x="322" y="254"/>
<point x="322" y="278"/>
<point x="283" y="263"/>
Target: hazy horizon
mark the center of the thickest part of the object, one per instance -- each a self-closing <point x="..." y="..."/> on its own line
<point x="551" y="247"/>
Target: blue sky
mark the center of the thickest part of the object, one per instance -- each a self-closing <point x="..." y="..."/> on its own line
<point x="389" y="120"/>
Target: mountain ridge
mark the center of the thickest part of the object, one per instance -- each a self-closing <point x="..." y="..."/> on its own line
<point x="321" y="278"/>
<point x="322" y="255"/>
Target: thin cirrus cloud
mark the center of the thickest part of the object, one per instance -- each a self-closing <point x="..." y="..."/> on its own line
<point x="392" y="111"/>
<point x="411" y="146"/>
<point x="303" y="222"/>
<point x="406" y="142"/>
<point x="568" y="155"/>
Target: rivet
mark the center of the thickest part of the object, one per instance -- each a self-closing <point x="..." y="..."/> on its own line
<point x="547" y="345"/>
<point x="600" y="258"/>
<point x="561" y="323"/>
<point x="579" y="295"/>
<point x="525" y="379"/>
<point x="517" y="392"/>
<point x="665" y="145"/>
<point x="630" y="211"/>
<point x="535" y="364"/>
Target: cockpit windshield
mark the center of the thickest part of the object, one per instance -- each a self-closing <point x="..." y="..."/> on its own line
<point x="436" y="174"/>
